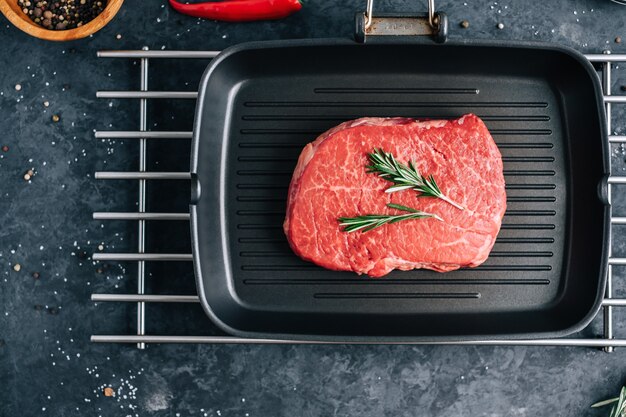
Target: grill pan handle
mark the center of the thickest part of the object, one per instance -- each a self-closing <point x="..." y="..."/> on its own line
<point x="195" y="189"/>
<point x="433" y="24"/>
<point x="603" y="191"/>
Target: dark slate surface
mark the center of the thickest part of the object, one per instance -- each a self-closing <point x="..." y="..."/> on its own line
<point x="47" y="364"/>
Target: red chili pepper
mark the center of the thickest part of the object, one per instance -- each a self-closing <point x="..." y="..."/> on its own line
<point x="239" y="10"/>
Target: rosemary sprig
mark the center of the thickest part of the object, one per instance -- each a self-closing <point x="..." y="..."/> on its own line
<point x="404" y="177"/>
<point x="372" y="221"/>
<point x="619" y="409"/>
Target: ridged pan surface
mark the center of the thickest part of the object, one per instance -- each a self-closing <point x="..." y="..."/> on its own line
<point x="259" y="104"/>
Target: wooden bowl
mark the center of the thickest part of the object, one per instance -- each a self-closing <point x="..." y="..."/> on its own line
<point x="12" y="10"/>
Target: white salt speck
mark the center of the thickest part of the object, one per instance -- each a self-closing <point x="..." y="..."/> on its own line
<point x="18" y="87"/>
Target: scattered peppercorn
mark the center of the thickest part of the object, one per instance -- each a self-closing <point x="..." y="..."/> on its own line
<point x="36" y="275"/>
<point x="38" y="307"/>
<point x="109" y="392"/>
<point x="5" y="148"/>
<point x="618" y="39"/>
<point x="17" y="267"/>
<point x="464" y="24"/>
<point x="623" y="88"/>
<point x="63" y="14"/>
<point x="53" y="311"/>
<point x="55" y="118"/>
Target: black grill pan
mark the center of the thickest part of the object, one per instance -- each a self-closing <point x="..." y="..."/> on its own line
<point x="260" y="103"/>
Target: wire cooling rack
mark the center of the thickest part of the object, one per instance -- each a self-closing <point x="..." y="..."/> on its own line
<point x="606" y="340"/>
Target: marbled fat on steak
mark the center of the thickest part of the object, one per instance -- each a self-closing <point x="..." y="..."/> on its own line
<point x="330" y="181"/>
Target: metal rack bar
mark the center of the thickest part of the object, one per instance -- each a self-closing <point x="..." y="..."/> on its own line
<point x="225" y="340"/>
<point x="608" y="310"/>
<point x="149" y="298"/>
<point x="139" y="216"/>
<point x="159" y="298"/>
<point x="614" y="99"/>
<point x="607" y="341"/>
<point x="141" y="224"/>
<point x="130" y="134"/>
<point x="148" y="94"/>
<point x="141" y="175"/>
<point x="194" y="95"/>
<point x="606" y="57"/>
<point x="158" y="54"/>
<point x="139" y="257"/>
<point x="614" y="179"/>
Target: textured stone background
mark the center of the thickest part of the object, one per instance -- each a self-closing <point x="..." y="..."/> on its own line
<point x="47" y="364"/>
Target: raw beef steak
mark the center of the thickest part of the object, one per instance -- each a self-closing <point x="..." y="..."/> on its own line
<point x="330" y="181"/>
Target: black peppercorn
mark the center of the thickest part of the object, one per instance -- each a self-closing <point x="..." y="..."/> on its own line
<point x="67" y="14"/>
